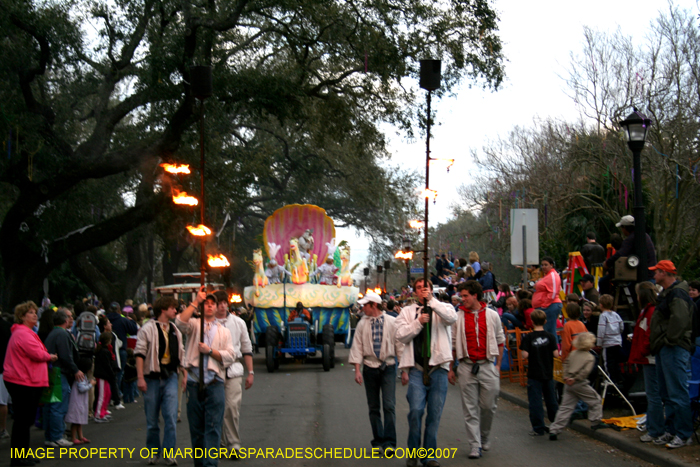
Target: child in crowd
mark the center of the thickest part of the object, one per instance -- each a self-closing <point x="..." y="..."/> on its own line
<point x="525" y="308"/>
<point x="130" y="377"/>
<point x="511" y="318"/>
<point x="105" y="377"/>
<point x="572" y="328"/>
<point x="610" y="329"/>
<point x="77" y="414"/>
<point x="577" y="367"/>
<point x="540" y="348"/>
<point x="590" y="317"/>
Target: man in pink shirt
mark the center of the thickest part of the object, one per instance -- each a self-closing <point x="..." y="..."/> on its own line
<point x="546" y="296"/>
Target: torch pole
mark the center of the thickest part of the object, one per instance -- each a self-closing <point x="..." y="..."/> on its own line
<point x="202" y="267"/>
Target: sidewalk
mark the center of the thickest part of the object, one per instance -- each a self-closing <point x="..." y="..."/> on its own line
<point x="626" y="441"/>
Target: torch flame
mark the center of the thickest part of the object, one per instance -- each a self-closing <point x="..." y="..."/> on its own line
<point x="378" y="290"/>
<point x="199" y="231"/>
<point x="416" y="224"/>
<point x="184" y="198"/>
<point x="405" y="255"/>
<point x="218" y="261"/>
<point x="176" y="169"/>
<point x="235" y="298"/>
<point x="430" y="194"/>
<point x="448" y="162"/>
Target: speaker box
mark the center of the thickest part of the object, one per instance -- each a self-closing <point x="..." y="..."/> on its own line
<point x="387" y="264"/>
<point x="430" y="74"/>
<point x="201" y="81"/>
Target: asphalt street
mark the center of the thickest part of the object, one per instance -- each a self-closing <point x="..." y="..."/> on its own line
<point x="300" y="406"/>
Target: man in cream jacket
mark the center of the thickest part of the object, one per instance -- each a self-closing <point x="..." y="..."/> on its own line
<point x="205" y="414"/>
<point x="478" y="341"/>
<point x="374" y="347"/>
<point x="426" y="334"/>
<point x="233" y="387"/>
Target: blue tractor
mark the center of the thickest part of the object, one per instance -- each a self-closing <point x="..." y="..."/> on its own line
<point x="300" y="340"/>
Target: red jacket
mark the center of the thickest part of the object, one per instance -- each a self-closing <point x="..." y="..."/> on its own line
<point x="641" y="349"/>
<point x="25" y="361"/>
<point x="547" y="290"/>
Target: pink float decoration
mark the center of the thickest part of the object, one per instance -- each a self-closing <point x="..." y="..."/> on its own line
<point x="292" y="221"/>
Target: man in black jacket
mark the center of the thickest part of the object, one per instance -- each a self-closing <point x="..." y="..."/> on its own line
<point x="121" y="327"/>
<point x="60" y="342"/>
<point x="593" y="253"/>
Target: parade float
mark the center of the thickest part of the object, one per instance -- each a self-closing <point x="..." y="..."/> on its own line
<point x="304" y="266"/>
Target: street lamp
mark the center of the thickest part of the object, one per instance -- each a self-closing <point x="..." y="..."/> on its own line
<point x="635" y="128"/>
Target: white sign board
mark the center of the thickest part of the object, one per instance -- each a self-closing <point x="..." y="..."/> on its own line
<point x="527" y="218"/>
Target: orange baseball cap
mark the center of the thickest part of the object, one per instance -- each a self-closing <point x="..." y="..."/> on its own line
<point x="665" y="265"/>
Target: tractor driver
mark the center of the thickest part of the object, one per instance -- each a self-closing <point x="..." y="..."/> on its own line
<point x="299" y="312"/>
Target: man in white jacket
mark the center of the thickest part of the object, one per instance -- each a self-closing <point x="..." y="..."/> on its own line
<point x="374" y="347"/>
<point x="478" y="341"/>
<point x="426" y="334"/>
<point x="233" y="386"/>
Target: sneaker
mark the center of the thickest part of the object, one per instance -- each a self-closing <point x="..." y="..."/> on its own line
<point x="170" y="461"/>
<point x="475" y="453"/>
<point x="4" y="434"/>
<point x="536" y="433"/>
<point x="552" y="436"/>
<point x="120" y="406"/>
<point x="411" y="462"/>
<point x="485" y="445"/>
<point x="108" y="412"/>
<point x="51" y="444"/>
<point x="599" y="426"/>
<point x="663" y="439"/>
<point x="64" y="443"/>
<point x="676" y="442"/>
<point x="432" y="463"/>
<point x="101" y="420"/>
<point x="646" y="438"/>
<point x="152" y="460"/>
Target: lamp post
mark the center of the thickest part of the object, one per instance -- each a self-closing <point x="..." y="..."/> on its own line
<point x="635" y="128"/>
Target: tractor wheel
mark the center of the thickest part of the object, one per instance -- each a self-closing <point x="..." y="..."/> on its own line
<point x="270" y="358"/>
<point x="332" y="357"/>
<point x="326" y="357"/>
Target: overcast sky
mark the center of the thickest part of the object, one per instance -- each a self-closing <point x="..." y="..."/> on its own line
<point x="538" y="37"/>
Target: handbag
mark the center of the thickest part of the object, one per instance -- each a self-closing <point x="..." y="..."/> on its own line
<point x="53" y="393"/>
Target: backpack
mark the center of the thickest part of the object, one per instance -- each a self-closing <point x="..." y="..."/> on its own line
<point x="85" y="327"/>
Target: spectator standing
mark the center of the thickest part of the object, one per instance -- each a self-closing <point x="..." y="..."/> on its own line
<point x="474" y="263"/>
<point x="77" y="414"/>
<point x="478" y="342"/>
<point x="546" y="294"/>
<point x="640" y="354"/>
<point x="425" y="332"/>
<point x="60" y="342"/>
<point x="540" y="347"/>
<point x="25" y="375"/>
<point x="159" y="352"/>
<point x="593" y="253"/>
<point x="590" y="293"/>
<point x="374" y="347"/>
<point x="671" y="329"/>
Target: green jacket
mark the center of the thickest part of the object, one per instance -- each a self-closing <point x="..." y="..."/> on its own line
<point x="671" y="323"/>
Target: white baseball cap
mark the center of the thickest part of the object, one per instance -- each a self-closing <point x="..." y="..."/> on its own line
<point x="626" y="221"/>
<point x="370" y="297"/>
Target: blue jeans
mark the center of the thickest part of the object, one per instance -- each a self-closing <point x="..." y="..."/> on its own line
<point x="55" y="412"/>
<point x="384" y="381"/>
<point x="510" y="321"/>
<point x="671" y="371"/>
<point x="161" y="397"/>
<point x="535" y="390"/>
<point x="120" y="373"/>
<point x="205" y="418"/>
<point x="552" y="311"/>
<point x="419" y="396"/>
<point x="655" y="406"/>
